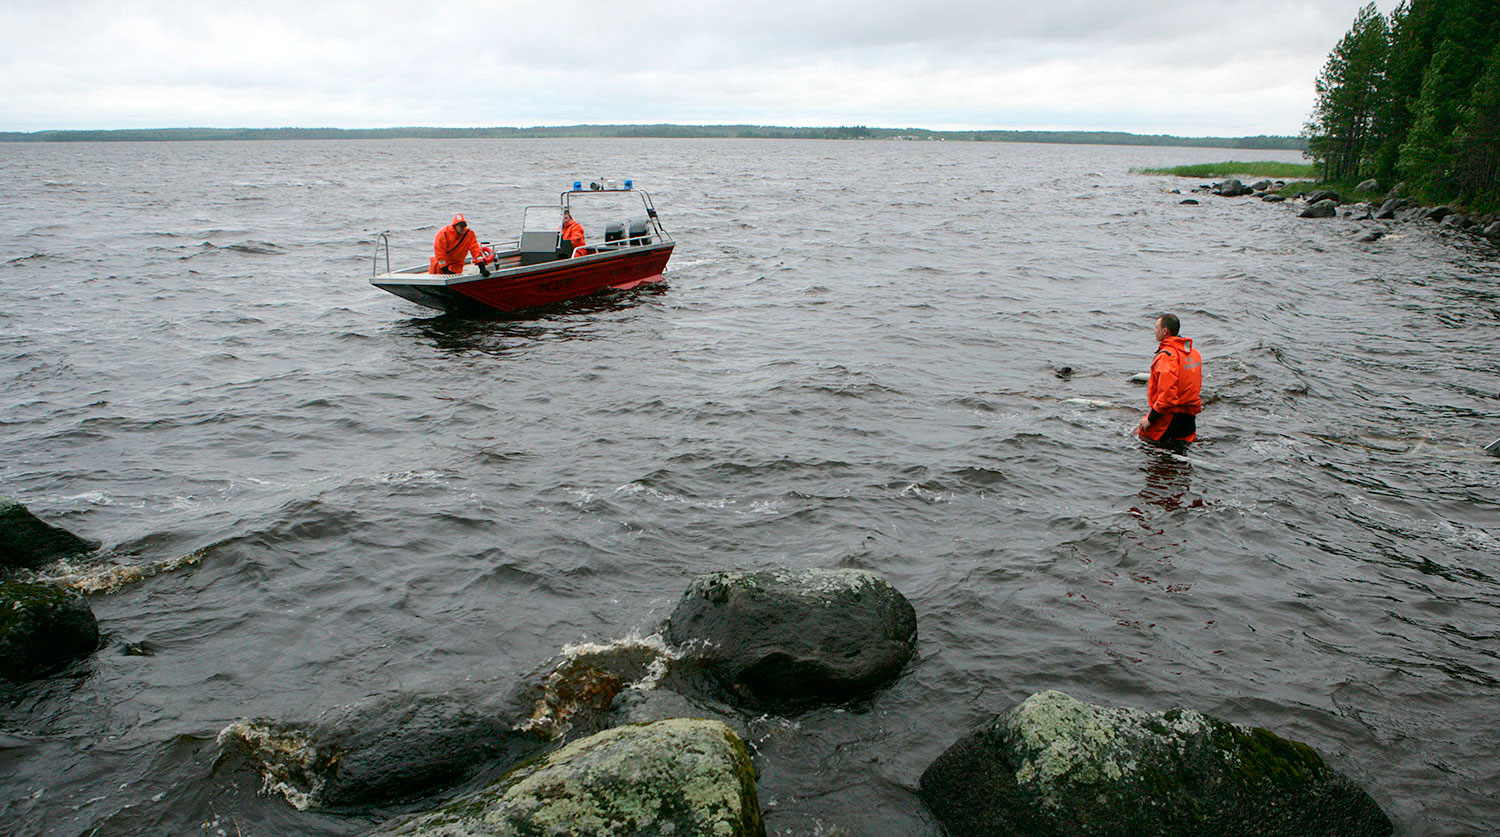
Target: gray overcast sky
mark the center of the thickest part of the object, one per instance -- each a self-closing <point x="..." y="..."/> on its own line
<point x="1186" y="67"/>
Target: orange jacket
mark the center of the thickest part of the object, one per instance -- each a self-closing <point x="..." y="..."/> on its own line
<point x="449" y="248"/>
<point x="572" y="232"/>
<point x="1176" y="378"/>
<point x="1174" y="391"/>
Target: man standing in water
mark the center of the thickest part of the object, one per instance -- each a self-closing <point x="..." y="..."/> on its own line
<point x="451" y="244"/>
<point x="1173" y="392"/>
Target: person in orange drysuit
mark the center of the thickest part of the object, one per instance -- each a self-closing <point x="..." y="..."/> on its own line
<point x="451" y="244"/>
<point x="1173" y="393"/>
<point x="572" y="234"/>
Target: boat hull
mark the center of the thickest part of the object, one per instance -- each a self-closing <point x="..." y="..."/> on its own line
<point x="531" y="286"/>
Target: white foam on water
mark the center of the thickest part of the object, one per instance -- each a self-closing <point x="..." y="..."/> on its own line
<point x="281" y="756"/>
<point x="109" y="578"/>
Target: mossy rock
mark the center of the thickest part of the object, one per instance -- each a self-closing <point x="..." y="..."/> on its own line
<point x="679" y="777"/>
<point x="27" y="543"/>
<point x="791" y="637"/>
<point x="1053" y="765"/>
<point x="41" y="628"/>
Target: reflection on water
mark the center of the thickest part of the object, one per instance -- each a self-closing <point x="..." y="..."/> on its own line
<point x="1169" y="478"/>
<point x="500" y="333"/>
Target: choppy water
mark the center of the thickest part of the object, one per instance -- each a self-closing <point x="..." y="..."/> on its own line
<point x="852" y="364"/>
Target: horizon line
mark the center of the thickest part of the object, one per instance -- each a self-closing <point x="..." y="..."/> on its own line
<point x="646" y="125"/>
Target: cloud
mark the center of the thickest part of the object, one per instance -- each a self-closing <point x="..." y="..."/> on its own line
<point x="1212" y="66"/>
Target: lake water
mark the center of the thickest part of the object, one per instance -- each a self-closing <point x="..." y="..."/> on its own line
<point x="853" y="363"/>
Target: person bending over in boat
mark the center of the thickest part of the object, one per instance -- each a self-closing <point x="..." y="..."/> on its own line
<point x="572" y="235"/>
<point x="451" y="244"/>
<point x="1173" y="393"/>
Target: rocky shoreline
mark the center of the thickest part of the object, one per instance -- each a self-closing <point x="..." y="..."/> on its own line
<point x="1394" y="204"/>
<point x="648" y="736"/>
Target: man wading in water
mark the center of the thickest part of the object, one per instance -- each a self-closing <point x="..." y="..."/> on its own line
<point x="1173" y="392"/>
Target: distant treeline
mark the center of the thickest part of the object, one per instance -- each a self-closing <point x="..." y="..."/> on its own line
<point x="669" y="131"/>
<point x="1416" y="98"/>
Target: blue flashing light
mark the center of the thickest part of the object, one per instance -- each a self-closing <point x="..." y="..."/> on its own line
<point x="578" y="185"/>
<point x="629" y="184"/>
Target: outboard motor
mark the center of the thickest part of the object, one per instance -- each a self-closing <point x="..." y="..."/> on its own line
<point x="614" y="233"/>
<point x="638" y="233"/>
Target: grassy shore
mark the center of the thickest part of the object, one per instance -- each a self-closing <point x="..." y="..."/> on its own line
<point x="1262" y="168"/>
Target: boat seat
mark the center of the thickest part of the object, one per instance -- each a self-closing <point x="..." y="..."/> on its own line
<point x="539" y="246"/>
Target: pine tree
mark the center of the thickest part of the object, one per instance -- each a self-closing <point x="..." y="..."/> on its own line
<point x="1340" y="133"/>
<point x="1426" y="161"/>
<point x="1476" y="142"/>
<point x="1465" y="32"/>
<point x="1413" y="26"/>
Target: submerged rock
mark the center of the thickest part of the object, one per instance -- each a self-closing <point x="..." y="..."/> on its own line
<point x="1053" y="765"/>
<point x="396" y="751"/>
<point x="1322" y="209"/>
<point x="578" y="692"/>
<point x="26" y="542"/>
<point x="41" y="628"/>
<point x="1273" y="198"/>
<point x="683" y="777"/>
<point x="796" y="636"/>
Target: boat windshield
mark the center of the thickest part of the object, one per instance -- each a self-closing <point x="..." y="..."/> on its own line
<point x="542" y="218"/>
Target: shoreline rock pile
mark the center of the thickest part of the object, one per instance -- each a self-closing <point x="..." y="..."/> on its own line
<point x="669" y="759"/>
<point x="1395" y="205"/>
<point x="654" y="723"/>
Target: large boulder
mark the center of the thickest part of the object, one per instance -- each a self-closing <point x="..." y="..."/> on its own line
<point x="1053" y="765"/>
<point x="26" y="542"/>
<point x="1231" y="188"/>
<point x="682" y="777"/>
<point x="1322" y="209"/>
<point x="1370" y="185"/>
<point x="1493" y="230"/>
<point x="396" y="751"/>
<point x="796" y="636"/>
<point x="41" y="628"/>
<point x="1390" y="207"/>
<point x="1438" y="213"/>
<point x="1322" y="195"/>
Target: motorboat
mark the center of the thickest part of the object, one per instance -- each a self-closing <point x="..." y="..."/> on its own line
<point x="629" y="248"/>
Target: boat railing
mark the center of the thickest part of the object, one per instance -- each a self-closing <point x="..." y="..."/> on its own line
<point x="382" y="242"/>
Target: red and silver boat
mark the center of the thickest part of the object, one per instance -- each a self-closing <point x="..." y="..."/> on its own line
<point x="629" y="248"/>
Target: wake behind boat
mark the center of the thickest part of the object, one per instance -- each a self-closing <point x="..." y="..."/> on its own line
<point x="542" y="268"/>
